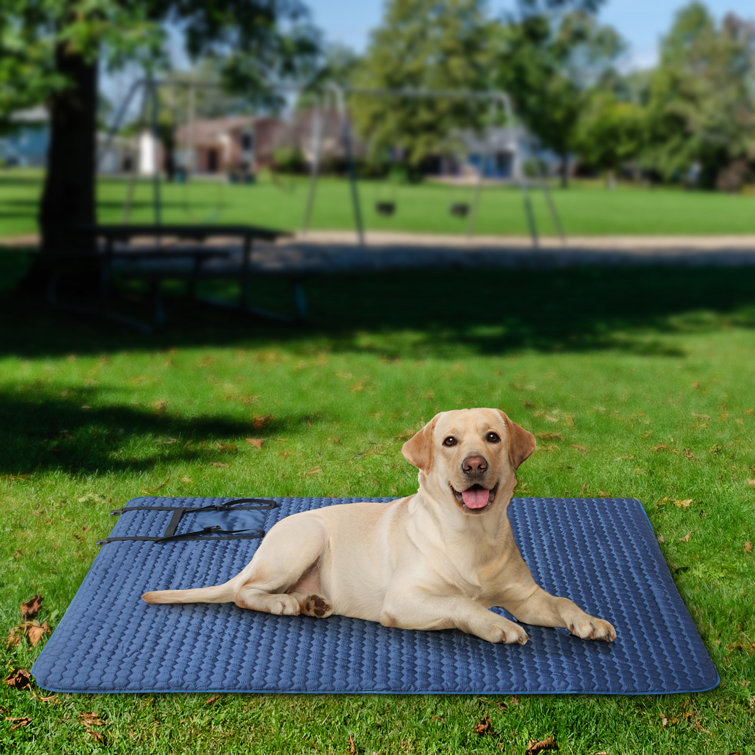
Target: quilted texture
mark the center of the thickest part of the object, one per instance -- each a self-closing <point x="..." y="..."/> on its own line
<point x="601" y="553"/>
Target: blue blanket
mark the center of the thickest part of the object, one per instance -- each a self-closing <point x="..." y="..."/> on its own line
<point x="600" y="553"/>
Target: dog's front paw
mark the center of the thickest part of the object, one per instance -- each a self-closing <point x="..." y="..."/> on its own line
<point x="591" y="628"/>
<point x="506" y="632"/>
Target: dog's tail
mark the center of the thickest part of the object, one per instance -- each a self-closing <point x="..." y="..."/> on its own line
<point x="216" y="594"/>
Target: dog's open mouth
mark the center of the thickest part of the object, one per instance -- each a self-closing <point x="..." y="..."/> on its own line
<point x="476" y="498"/>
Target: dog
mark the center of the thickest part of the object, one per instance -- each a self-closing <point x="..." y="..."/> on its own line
<point x="438" y="559"/>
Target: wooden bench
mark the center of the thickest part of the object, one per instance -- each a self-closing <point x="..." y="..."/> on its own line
<point x="156" y="253"/>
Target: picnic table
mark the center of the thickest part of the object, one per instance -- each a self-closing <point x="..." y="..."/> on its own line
<point x="156" y="253"/>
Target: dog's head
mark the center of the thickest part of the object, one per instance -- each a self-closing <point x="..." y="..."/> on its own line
<point x="469" y="456"/>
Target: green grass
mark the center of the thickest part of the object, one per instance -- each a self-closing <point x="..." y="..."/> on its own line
<point x="639" y="382"/>
<point x="584" y="209"/>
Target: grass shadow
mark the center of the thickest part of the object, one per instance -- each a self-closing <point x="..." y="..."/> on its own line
<point x="422" y="313"/>
<point x="77" y="431"/>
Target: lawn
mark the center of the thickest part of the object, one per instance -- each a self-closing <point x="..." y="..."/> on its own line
<point x="638" y="383"/>
<point x="584" y="209"/>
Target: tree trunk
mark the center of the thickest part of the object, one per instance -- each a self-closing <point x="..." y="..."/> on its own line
<point x="69" y="194"/>
<point x="68" y="199"/>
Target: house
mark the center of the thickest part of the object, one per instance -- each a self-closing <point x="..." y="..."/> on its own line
<point x="27" y="141"/>
<point x="498" y="152"/>
<point x="219" y="145"/>
<point x="116" y="154"/>
<point x="301" y="135"/>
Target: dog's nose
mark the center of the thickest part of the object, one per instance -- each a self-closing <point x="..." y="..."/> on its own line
<point x="474" y="465"/>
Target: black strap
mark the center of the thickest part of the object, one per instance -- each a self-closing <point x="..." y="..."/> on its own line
<point x="207" y="533"/>
<point x="261" y="504"/>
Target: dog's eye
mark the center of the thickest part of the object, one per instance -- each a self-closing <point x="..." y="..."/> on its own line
<point x="493" y="438"/>
<point x="450" y="441"/>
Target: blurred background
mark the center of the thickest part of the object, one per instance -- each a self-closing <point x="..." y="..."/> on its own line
<point x="238" y="110"/>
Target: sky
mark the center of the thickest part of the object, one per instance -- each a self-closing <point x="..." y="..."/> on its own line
<point x="642" y="23"/>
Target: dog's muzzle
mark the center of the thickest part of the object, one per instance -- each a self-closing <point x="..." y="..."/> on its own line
<point x="476" y="498"/>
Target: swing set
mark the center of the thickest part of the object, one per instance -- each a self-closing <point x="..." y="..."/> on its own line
<point x="499" y="107"/>
<point x="334" y="96"/>
<point x="189" y="141"/>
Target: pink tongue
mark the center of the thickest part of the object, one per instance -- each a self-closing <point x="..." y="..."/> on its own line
<point x="475" y="498"/>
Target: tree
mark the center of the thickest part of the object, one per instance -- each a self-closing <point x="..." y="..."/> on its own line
<point x="550" y="63"/>
<point x="609" y="133"/>
<point x="423" y="44"/>
<point x="259" y="41"/>
<point x="702" y="97"/>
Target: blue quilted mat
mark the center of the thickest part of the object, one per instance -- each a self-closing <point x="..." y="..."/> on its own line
<point x="601" y="553"/>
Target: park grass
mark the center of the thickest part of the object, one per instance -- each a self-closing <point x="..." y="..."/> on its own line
<point x="585" y="209"/>
<point x="638" y="383"/>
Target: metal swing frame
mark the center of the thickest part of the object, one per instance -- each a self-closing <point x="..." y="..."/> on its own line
<point x="148" y="118"/>
<point x="498" y="101"/>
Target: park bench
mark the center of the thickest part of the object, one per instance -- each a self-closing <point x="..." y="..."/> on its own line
<point x="157" y="253"/>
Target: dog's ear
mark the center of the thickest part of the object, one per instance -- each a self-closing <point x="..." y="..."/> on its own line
<point x="521" y="442"/>
<point x="418" y="450"/>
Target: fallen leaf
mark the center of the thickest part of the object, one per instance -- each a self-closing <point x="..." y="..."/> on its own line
<point x="97" y="736"/>
<point x="578" y="447"/>
<point x="91" y="719"/>
<point x="683" y="504"/>
<point x="662" y="447"/>
<point x="36" y="632"/>
<point x="661" y="539"/>
<point x="47" y="699"/>
<point x="750" y="482"/>
<point x="314" y="472"/>
<point x="483" y="726"/>
<point x="161" y="485"/>
<point x="500" y="705"/>
<point x="31" y="607"/>
<point x="686" y="538"/>
<point x="20" y="679"/>
<point x="260" y="423"/>
<point x="160" y="406"/>
<point x="227" y="448"/>
<point x="256" y="442"/>
<point x="544" y="744"/>
<point x="549" y="436"/>
<point x="17" y="723"/>
<point x="748" y="547"/>
<point x="92" y="498"/>
<point x="220" y="464"/>
<point x="186" y="480"/>
<point x="352" y="746"/>
<point x="213" y="699"/>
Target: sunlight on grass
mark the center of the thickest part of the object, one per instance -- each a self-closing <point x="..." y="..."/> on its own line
<point x="584" y="209"/>
<point x="636" y="384"/>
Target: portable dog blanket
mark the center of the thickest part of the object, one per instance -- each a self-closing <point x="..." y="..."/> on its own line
<point x="601" y="553"/>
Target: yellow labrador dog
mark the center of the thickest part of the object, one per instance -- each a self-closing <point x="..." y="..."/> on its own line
<point x="435" y="560"/>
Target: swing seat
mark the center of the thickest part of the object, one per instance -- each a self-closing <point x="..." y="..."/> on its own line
<point x="385" y="208"/>
<point x="459" y="209"/>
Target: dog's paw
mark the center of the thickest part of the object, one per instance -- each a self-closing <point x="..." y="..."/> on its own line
<point x="317" y="606"/>
<point x="592" y="628"/>
<point x="506" y="632"/>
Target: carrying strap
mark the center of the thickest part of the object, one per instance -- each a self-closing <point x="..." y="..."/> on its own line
<point x="206" y="533"/>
